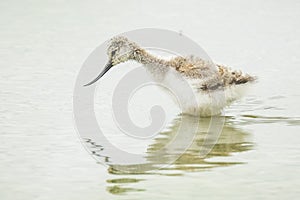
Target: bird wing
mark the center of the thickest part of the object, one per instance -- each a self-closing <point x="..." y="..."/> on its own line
<point x="194" y="67"/>
<point x="233" y="77"/>
<point x="213" y="76"/>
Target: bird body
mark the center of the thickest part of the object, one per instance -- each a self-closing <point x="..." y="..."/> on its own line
<point x="200" y="87"/>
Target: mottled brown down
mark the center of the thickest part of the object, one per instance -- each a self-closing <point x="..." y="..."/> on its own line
<point x="213" y="76"/>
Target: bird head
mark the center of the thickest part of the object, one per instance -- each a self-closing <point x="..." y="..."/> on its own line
<point x="119" y="50"/>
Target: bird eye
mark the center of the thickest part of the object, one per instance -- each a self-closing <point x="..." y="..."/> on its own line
<point x="113" y="52"/>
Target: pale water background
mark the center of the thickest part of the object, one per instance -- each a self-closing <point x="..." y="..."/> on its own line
<point x="42" y="47"/>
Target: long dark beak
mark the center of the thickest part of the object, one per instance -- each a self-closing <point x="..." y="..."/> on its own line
<point x="107" y="67"/>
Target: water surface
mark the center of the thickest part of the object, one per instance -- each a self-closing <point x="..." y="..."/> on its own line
<point x="42" y="47"/>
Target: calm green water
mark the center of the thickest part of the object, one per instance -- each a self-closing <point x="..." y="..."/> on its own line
<point x="42" y="47"/>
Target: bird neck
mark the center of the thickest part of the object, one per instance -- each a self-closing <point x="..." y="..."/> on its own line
<point x="156" y="67"/>
<point x="146" y="58"/>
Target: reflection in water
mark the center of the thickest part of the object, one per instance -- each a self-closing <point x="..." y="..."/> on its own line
<point x="231" y="140"/>
<point x="256" y="119"/>
<point x="116" y="188"/>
